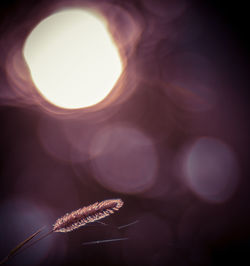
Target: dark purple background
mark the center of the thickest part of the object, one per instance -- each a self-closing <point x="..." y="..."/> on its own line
<point x="210" y="234"/>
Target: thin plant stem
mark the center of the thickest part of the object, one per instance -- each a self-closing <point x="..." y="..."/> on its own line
<point x="104" y="241"/>
<point x="15" y="250"/>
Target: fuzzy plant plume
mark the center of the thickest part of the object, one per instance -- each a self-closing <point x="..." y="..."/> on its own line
<point x="89" y="214"/>
<point x="71" y="221"/>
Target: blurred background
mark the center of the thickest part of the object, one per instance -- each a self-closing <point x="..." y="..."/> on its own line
<point x="170" y="139"/>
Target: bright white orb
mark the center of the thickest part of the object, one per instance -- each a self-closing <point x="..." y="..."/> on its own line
<point x="72" y="58"/>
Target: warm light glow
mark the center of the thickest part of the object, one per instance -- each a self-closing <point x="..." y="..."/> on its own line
<point x="72" y="58"/>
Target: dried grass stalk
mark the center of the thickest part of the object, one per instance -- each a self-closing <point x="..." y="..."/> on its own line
<point x="72" y="221"/>
<point x="89" y="214"/>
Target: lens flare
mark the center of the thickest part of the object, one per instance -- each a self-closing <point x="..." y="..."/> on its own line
<point x="72" y="59"/>
<point x="124" y="159"/>
<point x="211" y="170"/>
